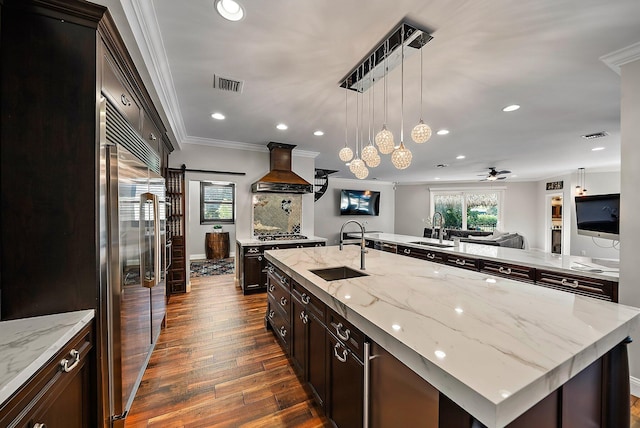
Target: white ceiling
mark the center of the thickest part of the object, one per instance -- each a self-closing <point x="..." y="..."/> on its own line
<point x="485" y="54"/>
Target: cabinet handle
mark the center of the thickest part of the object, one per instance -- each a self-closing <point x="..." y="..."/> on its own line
<point x="270" y="269"/>
<point x="39" y="425"/>
<point x="283" y="332"/>
<point x="305" y="298"/>
<point x="343" y="336"/>
<point x="283" y="301"/>
<point x="506" y="271"/>
<point x="461" y="262"/>
<point x="253" y="250"/>
<point x="271" y="288"/>
<point x="125" y="100"/>
<point x="304" y="317"/>
<point x="572" y="284"/>
<point x="271" y="314"/>
<point x="152" y="137"/>
<point x="407" y="251"/>
<point x="259" y="258"/>
<point x="431" y="256"/>
<point x="65" y="363"/>
<point x="342" y="359"/>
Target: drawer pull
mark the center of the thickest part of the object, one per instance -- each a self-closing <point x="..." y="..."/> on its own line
<point x="271" y="314"/>
<point x="572" y="284"/>
<point x="345" y="335"/>
<point x="461" y="262"/>
<point x="39" y="425"/>
<point x="506" y="271"/>
<point x="407" y="251"/>
<point x="283" y="332"/>
<point x="304" y="317"/>
<point x="431" y="256"/>
<point x="283" y="301"/>
<point x="65" y="363"/>
<point x="271" y="288"/>
<point x="305" y="298"/>
<point x="271" y="269"/>
<point x="259" y="258"/>
<point x="342" y="359"/>
<point x="253" y="250"/>
<point x="125" y="100"/>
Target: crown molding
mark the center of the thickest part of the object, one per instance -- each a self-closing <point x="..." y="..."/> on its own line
<point x="617" y="59"/>
<point x="237" y="145"/>
<point x="143" y="21"/>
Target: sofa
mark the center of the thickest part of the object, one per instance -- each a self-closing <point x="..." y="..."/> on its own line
<point x="495" y="238"/>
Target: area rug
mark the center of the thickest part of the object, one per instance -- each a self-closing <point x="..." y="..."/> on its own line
<point x="212" y="267"/>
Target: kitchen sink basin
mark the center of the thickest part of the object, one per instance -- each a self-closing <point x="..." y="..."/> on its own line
<point x="335" y="273"/>
<point x="432" y="244"/>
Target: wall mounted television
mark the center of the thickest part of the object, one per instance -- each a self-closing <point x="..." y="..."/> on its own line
<point x="359" y="202"/>
<point x="599" y="215"/>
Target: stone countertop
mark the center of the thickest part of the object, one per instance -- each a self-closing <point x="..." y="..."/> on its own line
<point x="494" y="346"/>
<point x="253" y="241"/>
<point x="578" y="265"/>
<point x="27" y="344"/>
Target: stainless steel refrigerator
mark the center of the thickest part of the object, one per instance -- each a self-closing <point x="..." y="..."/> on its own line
<point x="133" y="262"/>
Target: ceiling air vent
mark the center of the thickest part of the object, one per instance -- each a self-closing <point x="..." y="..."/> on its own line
<point x="595" y="135"/>
<point x="226" y="84"/>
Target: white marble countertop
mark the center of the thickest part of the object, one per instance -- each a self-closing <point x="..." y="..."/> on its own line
<point x="254" y="241"/>
<point x="494" y="346"/>
<point x="27" y="344"/>
<point x="577" y="265"/>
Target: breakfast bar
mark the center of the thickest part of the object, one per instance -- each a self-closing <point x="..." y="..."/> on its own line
<point x="498" y="351"/>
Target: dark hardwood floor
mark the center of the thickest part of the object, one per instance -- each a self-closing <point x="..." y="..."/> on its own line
<point x="216" y="365"/>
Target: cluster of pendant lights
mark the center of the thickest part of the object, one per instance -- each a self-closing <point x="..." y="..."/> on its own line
<point x="369" y="157"/>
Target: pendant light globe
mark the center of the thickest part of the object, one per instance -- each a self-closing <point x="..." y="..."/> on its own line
<point x="401" y="157"/>
<point x="345" y="154"/>
<point x="356" y="165"/>
<point x="421" y="132"/>
<point x="362" y="173"/>
<point x="374" y="162"/>
<point x="368" y="153"/>
<point x="384" y="140"/>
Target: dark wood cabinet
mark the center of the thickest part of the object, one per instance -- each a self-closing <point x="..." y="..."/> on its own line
<point x="508" y="270"/>
<point x="601" y="289"/>
<point x="55" y="397"/>
<point x="345" y="377"/>
<point x="463" y="262"/>
<point x="177" y="271"/>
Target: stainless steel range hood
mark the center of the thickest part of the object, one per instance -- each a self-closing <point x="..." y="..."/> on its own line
<point x="280" y="178"/>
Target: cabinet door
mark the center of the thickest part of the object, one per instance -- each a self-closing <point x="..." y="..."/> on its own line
<point x="299" y="323"/>
<point x="252" y="272"/>
<point x="316" y="362"/>
<point x="346" y="385"/>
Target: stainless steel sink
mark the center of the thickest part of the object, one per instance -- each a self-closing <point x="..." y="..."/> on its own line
<point x="432" y="244"/>
<point x="335" y="273"/>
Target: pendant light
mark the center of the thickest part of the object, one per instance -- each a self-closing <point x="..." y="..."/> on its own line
<point x="345" y="154"/>
<point x="401" y="156"/>
<point x="421" y="132"/>
<point x="370" y="153"/>
<point x="357" y="163"/>
<point x="384" y="138"/>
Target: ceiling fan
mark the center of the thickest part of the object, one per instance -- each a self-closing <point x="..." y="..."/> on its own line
<point x="493" y="174"/>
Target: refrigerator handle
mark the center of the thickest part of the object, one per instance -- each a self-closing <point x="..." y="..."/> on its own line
<point x="149" y="240"/>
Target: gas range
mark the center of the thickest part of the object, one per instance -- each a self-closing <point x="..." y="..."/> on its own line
<point x="281" y="237"/>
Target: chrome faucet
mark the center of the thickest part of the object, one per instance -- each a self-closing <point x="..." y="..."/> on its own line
<point x="363" y="247"/>
<point x="441" y="229"/>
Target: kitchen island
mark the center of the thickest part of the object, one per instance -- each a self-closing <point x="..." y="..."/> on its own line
<point x="494" y="347"/>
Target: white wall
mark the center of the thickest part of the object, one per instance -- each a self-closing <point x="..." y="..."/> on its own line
<point x="254" y="164"/>
<point x="328" y="219"/>
<point x="412" y="206"/>
<point x="630" y="202"/>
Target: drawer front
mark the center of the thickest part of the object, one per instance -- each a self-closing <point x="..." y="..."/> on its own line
<point x="279" y="323"/>
<point x="279" y="296"/>
<point x="248" y="251"/>
<point x="435" y="256"/>
<point x="120" y="96"/>
<point x="313" y="305"/>
<point x="277" y="276"/>
<point x="516" y="272"/>
<point x="463" y="262"/>
<point x="418" y="253"/>
<point x="384" y="246"/>
<point x="346" y="332"/>
<point x="151" y="134"/>
<point x="591" y="287"/>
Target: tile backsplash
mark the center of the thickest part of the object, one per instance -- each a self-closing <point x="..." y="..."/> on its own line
<point x="277" y="213"/>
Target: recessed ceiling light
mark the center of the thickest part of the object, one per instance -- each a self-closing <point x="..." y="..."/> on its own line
<point x="282" y="126"/>
<point x="230" y="10"/>
<point x="218" y="116"/>
<point x="460" y="157"/>
<point x="512" y="107"/>
<point x="318" y="133"/>
<point x="597" y="149"/>
<point x="443" y="132"/>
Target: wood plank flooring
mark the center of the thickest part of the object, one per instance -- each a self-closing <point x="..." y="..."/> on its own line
<point x="216" y="366"/>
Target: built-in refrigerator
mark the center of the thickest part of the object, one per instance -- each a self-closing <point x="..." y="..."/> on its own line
<point x="133" y="262"/>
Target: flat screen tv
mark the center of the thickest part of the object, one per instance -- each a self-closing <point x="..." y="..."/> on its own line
<point x="359" y="202"/>
<point x="599" y="215"/>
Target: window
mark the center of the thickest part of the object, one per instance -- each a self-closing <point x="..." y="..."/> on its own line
<point x="217" y="202"/>
<point x="469" y="209"/>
